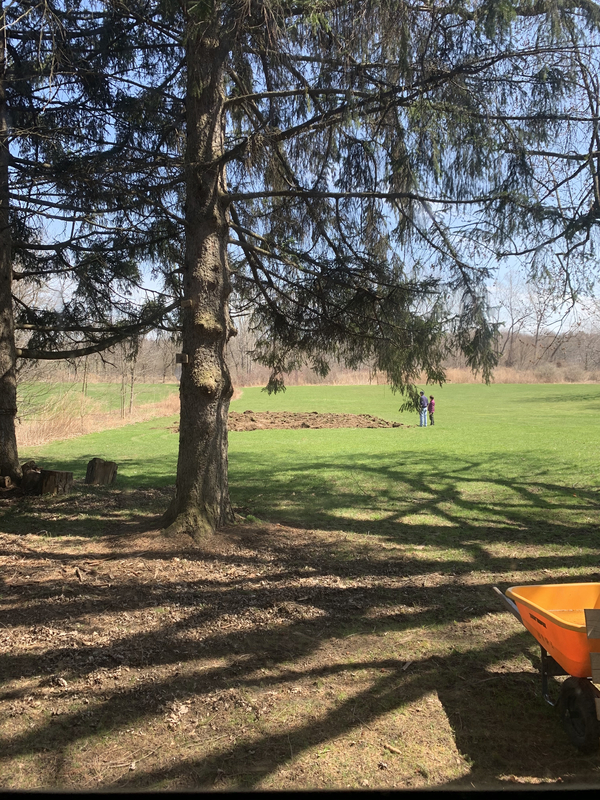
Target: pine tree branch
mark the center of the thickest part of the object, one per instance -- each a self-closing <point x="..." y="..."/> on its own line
<point x="127" y="331"/>
<point x="369" y="195"/>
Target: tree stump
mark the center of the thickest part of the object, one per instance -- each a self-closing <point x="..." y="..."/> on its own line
<point x="56" y="482"/>
<point x="32" y="478"/>
<point x="100" y="471"/>
<point x="46" y="481"/>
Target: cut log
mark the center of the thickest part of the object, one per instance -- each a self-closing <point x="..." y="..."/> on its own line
<point x="56" y="482"/>
<point x="100" y="471"/>
<point x="47" y="481"/>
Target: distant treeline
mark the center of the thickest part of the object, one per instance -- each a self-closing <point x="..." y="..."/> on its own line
<point x="572" y="357"/>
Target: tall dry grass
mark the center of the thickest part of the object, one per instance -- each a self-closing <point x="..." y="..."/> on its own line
<point x="69" y="417"/>
<point x="545" y="373"/>
<point x="259" y="376"/>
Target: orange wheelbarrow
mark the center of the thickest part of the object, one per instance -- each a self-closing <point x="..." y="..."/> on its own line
<point x="565" y="620"/>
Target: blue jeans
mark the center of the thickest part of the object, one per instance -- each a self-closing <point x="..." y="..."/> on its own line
<point x="423" y="422"/>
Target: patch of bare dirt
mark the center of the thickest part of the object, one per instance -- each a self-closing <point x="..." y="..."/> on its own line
<point x="261" y="420"/>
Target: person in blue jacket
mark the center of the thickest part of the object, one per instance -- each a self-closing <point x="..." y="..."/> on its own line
<point x="423" y="409"/>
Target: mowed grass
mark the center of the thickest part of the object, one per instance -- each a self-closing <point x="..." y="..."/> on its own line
<point x="345" y="635"/>
<point x="505" y="463"/>
<point x="499" y="458"/>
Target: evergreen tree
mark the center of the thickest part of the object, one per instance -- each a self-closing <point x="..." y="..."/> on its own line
<point x="351" y="170"/>
<point x="74" y="222"/>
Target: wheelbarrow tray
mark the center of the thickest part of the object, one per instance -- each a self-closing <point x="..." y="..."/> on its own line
<point x="565" y="620"/>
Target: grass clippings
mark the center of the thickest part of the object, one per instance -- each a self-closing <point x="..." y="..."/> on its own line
<point x="273" y="658"/>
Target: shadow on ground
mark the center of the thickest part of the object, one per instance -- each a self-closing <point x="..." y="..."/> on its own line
<point x="374" y="654"/>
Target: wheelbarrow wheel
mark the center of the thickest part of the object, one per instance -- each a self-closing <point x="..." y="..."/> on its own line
<point x="577" y="708"/>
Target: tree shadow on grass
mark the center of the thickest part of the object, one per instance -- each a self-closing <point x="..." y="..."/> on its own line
<point x="87" y="511"/>
<point x="477" y="712"/>
<point x="461" y="497"/>
<point x="133" y="473"/>
<point x="493" y="725"/>
<point x="591" y="398"/>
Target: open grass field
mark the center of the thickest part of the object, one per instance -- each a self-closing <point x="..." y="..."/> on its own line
<point x="344" y="634"/>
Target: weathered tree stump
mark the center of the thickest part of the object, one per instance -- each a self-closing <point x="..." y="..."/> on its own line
<point x="32" y="478"/>
<point x="100" y="471"/>
<point x="45" y="481"/>
<point x="56" y="482"/>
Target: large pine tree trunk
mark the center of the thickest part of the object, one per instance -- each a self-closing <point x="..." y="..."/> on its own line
<point x="201" y="503"/>
<point x="9" y="459"/>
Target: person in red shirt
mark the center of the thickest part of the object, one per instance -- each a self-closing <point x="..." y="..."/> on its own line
<point x="431" y="408"/>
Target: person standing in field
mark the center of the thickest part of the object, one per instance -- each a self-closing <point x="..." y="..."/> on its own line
<point x="431" y="408"/>
<point x="423" y="410"/>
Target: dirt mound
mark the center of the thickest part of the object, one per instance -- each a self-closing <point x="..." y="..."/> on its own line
<point x="254" y="420"/>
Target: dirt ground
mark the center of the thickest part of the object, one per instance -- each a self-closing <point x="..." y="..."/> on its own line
<point x="271" y="658"/>
<point x="263" y="420"/>
<point x="251" y="420"/>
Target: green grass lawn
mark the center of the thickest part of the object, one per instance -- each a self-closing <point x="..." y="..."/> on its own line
<point x="503" y="463"/>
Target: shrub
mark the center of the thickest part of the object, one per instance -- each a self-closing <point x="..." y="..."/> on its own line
<point x="574" y="374"/>
<point x="547" y="373"/>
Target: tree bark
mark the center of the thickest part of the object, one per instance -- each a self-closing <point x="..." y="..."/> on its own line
<point x="201" y="503"/>
<point x="9" y="458"/>
<point x="100" y="471"/>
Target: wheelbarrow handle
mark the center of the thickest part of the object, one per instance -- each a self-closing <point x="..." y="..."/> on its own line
<point x="512" y="607"/>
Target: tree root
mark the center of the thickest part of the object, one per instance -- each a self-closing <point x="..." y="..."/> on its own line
<point x="195" y="522"/>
